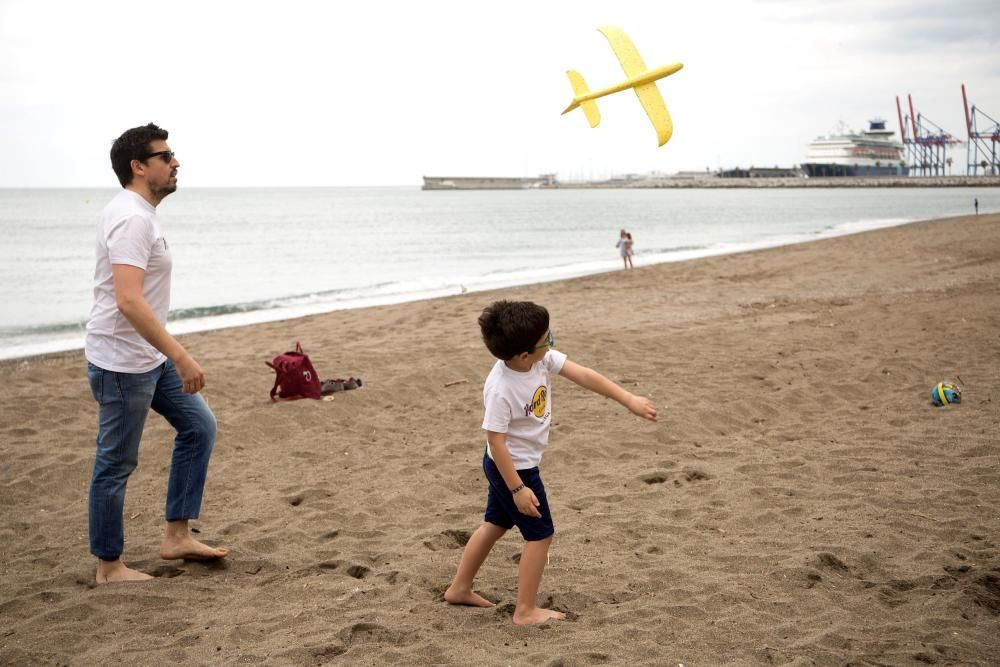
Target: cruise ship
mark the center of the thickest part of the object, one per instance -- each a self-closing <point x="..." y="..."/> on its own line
<point x="872" y="152"/>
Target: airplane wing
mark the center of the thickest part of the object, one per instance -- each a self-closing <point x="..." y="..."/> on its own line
<point x="623" y="47"/>
<point x="649" y="94"/>
<point x="652" y="102"/>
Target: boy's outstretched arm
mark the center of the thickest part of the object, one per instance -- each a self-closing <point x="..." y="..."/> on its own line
<point x="597" y="383"/>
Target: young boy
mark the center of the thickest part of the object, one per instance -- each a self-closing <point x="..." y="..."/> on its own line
<point x="517" y="399"/>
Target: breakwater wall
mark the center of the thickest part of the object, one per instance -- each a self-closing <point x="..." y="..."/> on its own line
<point x="796" y="182"/>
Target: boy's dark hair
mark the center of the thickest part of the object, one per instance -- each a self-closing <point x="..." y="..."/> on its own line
<point x="512" y="327"/>
<point x="133" y="145"/>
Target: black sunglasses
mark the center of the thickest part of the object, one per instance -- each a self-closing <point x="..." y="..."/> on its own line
<point x="166" y="156"/>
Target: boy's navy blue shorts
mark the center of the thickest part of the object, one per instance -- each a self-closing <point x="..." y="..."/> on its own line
<point x="501" y="510"/>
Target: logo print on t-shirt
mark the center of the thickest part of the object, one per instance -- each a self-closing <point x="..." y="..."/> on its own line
<point x="538" y="403"/>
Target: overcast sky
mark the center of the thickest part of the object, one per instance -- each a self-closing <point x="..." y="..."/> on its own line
<point x="381" y="93"/>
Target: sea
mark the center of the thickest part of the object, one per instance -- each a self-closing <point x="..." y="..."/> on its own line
<point x="243" y="256"/>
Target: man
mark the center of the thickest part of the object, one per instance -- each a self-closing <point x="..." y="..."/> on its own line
<point x="133" y="363"/>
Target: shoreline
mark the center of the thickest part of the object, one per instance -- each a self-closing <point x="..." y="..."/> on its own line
<point x="187" y="326"/>
<point x="799" y="501"/>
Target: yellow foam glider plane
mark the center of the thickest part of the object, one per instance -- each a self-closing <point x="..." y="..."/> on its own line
<point x="641" y="78"/>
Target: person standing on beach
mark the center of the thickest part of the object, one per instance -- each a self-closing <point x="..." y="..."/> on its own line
<point x="623" y="247"/>
<point x="518" y="412"/>
<point x="133" y="364"/>
<point x="628" y="250"/>
<point x="975" y="203"/>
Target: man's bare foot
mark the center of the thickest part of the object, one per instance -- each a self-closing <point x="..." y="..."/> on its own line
<point x="536" y="616"/>
<point x="188" y="548"/>
<point x="111" y="571"/>
<point x="466" y="597"/>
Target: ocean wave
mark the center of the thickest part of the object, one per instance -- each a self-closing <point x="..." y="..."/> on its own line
<point x="56" y="328"/>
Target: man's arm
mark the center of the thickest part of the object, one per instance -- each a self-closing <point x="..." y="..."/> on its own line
<point x="597" y="383"/>
<point x="525" y="499"/>
<point x="133" y="305"/>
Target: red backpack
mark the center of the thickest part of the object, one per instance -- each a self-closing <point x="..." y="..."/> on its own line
<point x="296" y="376"/>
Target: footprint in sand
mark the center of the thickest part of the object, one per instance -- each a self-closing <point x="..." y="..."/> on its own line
<point x="264" y="545"/>
<point x="240" y="527"/>
<point x="692" y="475"/>
<point x="165" y="571"/>
<point x="985" y="592"/>
<point x="371" y="633"/>
<point x="350" y="569"/>
<point x="322" y="653"/>
<point x="828" y="561"/>
<point x="897" y="592"/>
<point x="695" y="475"/>
<point x="448" y="539"/>
<point x="806" y="577"/>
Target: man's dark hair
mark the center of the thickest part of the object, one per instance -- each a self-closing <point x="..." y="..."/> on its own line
<point x="133" y="145"/>
<point x="512" y="327"/>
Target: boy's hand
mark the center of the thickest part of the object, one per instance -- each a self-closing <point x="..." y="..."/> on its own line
<point x="642" y="407"/>
<point x="527" y="502"/>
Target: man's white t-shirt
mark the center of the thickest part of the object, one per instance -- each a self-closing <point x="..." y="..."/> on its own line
<point x="127" y="233"/>
<point x="520" y="406"/>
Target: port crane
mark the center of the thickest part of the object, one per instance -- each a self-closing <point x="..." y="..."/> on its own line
<point x="982" y="147"/>
<point x="925" y="142"/>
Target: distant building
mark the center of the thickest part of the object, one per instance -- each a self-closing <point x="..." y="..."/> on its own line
<point x="692" y="175"/>
<point x="488" y="182"/>
<point x="760" y="172"/>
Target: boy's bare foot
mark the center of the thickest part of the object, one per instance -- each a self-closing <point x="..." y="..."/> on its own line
<point x="188" y="548"/>
<point x="536" y="616"/>
<point x="466" y="597"/>
<point x="111" y="571"/>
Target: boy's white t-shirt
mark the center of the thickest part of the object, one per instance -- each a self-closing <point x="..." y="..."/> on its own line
<point x="520" y="406"/>
<point x="127" y="233"/>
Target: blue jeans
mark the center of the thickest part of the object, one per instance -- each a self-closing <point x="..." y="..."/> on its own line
<point x="125" y="400"/>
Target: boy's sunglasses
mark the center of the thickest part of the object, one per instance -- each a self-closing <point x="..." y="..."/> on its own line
<point x="551" y="342"/>
<point x="166" y="156"/>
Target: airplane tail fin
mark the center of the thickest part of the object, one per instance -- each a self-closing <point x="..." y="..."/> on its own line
<point x="579" y="89"/>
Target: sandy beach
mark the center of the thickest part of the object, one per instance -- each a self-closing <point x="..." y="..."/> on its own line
<point x="800" y="501"/>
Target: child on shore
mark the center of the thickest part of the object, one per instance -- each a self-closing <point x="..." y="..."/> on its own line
<point x="623" y="247"/>
<point x="517" y="399"/>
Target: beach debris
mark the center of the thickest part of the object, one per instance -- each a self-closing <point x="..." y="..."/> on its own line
<point x="640" y="78"/>
<point x="454" y="382"/>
